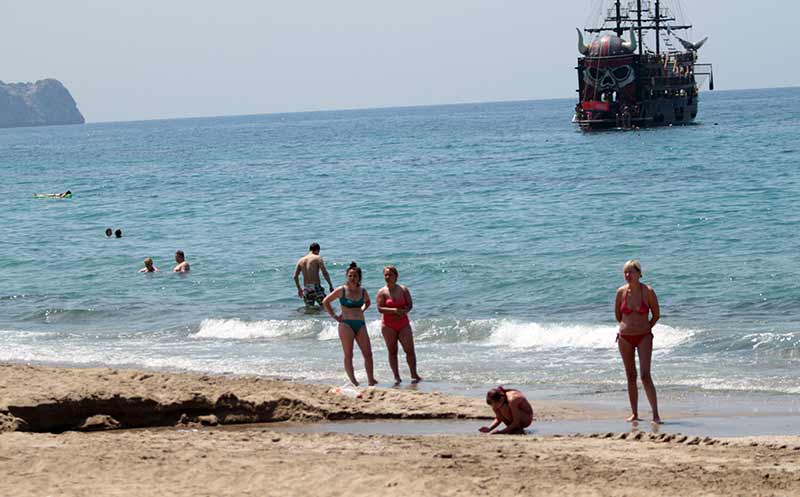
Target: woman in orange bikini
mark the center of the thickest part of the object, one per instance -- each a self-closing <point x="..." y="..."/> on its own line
<point x="634" y="306"/>
<point x="394" y="304"/>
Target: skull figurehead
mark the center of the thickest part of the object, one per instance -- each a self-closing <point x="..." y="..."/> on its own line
<point x="608" y="70"/>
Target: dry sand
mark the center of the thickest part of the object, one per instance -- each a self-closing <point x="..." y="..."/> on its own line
<point x="192" y="460"/>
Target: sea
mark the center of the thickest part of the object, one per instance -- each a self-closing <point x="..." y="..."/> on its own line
<point x="508" y="224"/>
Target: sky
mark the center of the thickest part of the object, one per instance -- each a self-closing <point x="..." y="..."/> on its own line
<point x="149" y="59"/>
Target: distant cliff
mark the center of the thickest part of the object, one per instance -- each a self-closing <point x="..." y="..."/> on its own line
<point x="41" y="103"/>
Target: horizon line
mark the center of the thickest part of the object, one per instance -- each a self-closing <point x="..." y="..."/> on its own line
<point x="389" y="107"/>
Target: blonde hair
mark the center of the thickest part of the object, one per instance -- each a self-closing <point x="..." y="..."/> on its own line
<point x="148" y="261"/>
<point x="633" y="263"/>
<point x="392" y="270"/>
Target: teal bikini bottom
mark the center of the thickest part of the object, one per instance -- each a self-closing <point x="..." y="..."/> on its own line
<point x="354" y="324"/>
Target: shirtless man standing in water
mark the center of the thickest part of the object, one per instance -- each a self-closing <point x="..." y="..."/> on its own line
<point x="310" y="265"/>
<point x="183" y="264"/>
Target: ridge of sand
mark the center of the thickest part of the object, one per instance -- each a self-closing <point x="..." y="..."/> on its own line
<point x="40" y="399"/>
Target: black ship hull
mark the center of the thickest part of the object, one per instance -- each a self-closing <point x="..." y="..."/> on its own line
<point x="654" y="93"/>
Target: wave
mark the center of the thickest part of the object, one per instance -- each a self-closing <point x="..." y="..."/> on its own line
<point x="490" y="332"/>
<point x="551" y="336"/>
<point x="742" y="384"/>
<point x="780" y="344"/>
<point x="237" y="329"/>
<point x="773" y="341"/>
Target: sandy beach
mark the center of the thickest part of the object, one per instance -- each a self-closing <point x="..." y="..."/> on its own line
<point x="174" y="446"/>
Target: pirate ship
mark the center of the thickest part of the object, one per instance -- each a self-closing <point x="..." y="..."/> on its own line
<point x="652" y="79"/>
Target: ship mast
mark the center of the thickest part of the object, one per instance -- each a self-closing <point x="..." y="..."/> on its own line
<point x="639" y="24"/>
<point x="649" y="17"/>
<point x="657" y="22"/>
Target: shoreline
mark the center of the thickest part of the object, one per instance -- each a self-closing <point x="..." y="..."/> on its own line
<point x="202" y="435"/>
<point x="57" y="399"/>
<point x="157" y="397"/>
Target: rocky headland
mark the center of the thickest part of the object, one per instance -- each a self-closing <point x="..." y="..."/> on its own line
<point x="43" y="103"/>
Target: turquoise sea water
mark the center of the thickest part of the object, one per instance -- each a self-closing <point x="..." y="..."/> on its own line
<point x="509" y="226"/>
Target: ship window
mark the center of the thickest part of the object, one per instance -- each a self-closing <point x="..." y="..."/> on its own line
<point x="622" y="73"/>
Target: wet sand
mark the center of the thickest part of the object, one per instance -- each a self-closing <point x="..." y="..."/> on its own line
<point x="177" y="451"/>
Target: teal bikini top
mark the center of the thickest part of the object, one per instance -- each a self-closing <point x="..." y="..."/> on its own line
<point x="353" y="304"/>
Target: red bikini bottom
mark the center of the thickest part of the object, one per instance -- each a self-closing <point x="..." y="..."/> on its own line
<point x="634" y="340"/>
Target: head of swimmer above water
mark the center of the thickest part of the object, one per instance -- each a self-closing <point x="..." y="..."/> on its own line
<point x="314" y="248"/>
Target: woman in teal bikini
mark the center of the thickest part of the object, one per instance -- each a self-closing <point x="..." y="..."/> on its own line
<point x="354" y="300"/>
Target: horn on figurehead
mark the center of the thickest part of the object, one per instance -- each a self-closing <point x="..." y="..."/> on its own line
<point x="583" y="48"/>
<point x="632" y="44"/>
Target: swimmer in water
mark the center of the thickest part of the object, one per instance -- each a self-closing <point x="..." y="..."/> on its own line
<point x="148" y="266"/>
<point x="183" y="264"/>
<point x="66" y="194"/>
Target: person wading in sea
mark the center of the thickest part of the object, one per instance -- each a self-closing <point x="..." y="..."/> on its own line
<point x="310" y="265"/>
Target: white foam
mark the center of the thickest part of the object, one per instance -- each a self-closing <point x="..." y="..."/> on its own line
<point x="737" y="384"/>
<point x="331" y="330"/>
<point x="764" y="340"/>
<point x="236" y="329"/>
<point x="550" y="336"/>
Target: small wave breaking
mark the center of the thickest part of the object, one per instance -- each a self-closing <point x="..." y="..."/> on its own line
<point x="237" y="329"/>
<point x="494" y="332"/>
<point x="549" y="336"/>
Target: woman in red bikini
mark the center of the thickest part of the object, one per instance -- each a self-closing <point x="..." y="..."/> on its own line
<point x="394" y="304"/>
<point x="634" y="306"/>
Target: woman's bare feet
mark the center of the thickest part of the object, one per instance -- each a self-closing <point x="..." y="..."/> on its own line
<point x="657" y="421"/>
<point x="397" y="382"/>
<point x="373" y="382"/>
<point x="632" y="418"/>
<point x="415" y="380"/>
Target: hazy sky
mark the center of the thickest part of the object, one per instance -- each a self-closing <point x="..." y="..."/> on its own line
<point x="148" y="59"/>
